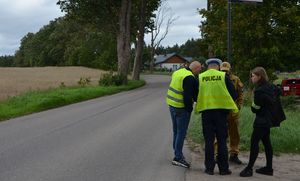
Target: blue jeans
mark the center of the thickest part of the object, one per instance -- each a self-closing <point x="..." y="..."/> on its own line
<point x="180" y="120"/>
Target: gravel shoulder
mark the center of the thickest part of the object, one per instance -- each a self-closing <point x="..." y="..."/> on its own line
<point x="286" y="167"/>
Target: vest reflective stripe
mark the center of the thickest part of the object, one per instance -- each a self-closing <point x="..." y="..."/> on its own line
<point x="175" y="92"/>
<point x="174" y="99"/>
<point x="213" y="93"/>
<point x="255" y="106"/>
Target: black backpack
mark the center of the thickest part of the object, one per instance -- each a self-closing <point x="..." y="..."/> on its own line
<point x="277" y="113"/>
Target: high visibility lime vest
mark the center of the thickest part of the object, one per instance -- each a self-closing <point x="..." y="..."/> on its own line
<point x="213" y="93"/>
<point x="175" y="92"/>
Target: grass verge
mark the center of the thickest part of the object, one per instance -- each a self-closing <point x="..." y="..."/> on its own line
<point x="42" y="100"/>
<point x="157" y="73"/>
<point x="285" y="139"/>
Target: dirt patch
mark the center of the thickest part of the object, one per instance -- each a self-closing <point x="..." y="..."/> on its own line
<point x="286" y="167"/>
<point x="15" y="81"/>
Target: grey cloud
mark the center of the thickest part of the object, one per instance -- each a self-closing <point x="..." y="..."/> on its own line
<point x="187" y="6"/>
<point x="17" y="20"/>
<point x="16" y="24"/>
<point x="186" y="26"/>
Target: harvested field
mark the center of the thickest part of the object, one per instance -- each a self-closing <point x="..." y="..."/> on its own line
<point x="15" y="81"/>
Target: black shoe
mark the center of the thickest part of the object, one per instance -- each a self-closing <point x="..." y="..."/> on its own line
<point x="265" y="171"/>
<point x="209" y="172"/>
<point x="235" y="159"/>
<point x="226" y="172"/>
<point x="247" y="172"/>
<point x="181" y="163"/>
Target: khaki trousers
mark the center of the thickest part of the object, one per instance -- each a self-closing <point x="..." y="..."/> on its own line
<point x="233" y="132"/>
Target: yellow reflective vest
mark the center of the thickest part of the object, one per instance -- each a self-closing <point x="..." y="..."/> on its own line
<point x="213" y="93"/>
<point x="175" y="92"/>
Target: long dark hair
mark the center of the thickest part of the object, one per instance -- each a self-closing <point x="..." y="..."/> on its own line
<point x="260" y="71"/>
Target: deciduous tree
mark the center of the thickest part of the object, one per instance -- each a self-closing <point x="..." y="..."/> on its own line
<point x="265" y="34"/>
<point x="111" y="15"/>
<point x="161" y="26"/>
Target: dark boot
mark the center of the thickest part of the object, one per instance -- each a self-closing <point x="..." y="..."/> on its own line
<point x="235" y="159"/>
<point x="209" y="172"/>
<point x="265" y="171"/>
<point x="225" y="172"/>
<point x="247" y="172"/>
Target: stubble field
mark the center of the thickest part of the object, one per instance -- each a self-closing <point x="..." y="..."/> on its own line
<point x="15" y="81"/>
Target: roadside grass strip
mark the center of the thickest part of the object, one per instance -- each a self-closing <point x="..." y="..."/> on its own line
<point x="37" y="101"/>
<point x="285" y="139"/>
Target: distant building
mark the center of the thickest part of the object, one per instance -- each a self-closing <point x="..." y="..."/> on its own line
<point x="171" y="61"/>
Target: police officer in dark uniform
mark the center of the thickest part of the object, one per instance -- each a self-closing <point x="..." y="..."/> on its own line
<point x="215" y="99"/>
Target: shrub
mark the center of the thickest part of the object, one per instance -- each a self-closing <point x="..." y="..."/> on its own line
<point x="84" y="81"/>
<point x="109" y="79"/>
<point x="62" y="85"/>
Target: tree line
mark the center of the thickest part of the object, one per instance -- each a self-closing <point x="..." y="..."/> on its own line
<point x="92" y="33"/>
<point x="265" y="34"/>
<point x="65" y="42"/>
<point x="101" y="34"/>
<point x="89" y="35"/>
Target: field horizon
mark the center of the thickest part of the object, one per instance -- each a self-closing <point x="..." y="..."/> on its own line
<point x="18" y="80"/>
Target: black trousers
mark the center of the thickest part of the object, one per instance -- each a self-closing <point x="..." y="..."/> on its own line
<point x="214" y="125"/>
<point x="263" y="134"/>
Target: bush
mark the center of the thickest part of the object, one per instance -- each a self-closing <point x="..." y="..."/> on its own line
<point x="109" y="79"/>
<point x="84" y="81"/>
<point x="62" y="85"/>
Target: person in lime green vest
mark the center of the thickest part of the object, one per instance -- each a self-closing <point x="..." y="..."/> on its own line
<point x="215" y="99"/>
<point x="182" y="93"/>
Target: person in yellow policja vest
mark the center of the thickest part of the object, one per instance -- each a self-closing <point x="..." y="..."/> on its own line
<point x="215" y="99"/>
<point x="182" y="93"/>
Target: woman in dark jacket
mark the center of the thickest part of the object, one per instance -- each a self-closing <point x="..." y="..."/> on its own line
<point x="263" y="106"/>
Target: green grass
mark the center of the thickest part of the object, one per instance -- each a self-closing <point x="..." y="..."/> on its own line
<point x="195" y="129"/>
<point x="285" y="139"/>
<point x="42" y="100"/>
<point x="157" y="73"/>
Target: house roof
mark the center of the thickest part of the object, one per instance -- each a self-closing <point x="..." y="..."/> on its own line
<point x="189" y="59"/>
<point x="162" y="58"/>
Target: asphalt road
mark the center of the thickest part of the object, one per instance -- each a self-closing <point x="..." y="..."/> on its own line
<point x="123" y="137"/>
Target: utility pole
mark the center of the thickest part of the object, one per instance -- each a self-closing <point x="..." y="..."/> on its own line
<point x="210" y="49"/>
<point x="229" y="47"/>
<point x="229" y="27"/>
<point x="208" y="5"/>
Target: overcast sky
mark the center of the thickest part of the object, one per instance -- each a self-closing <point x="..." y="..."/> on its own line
<point x="18" y="17"/>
